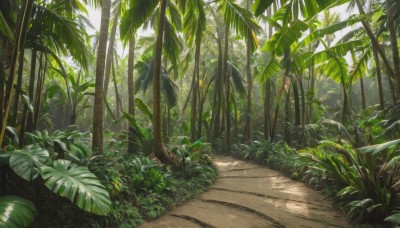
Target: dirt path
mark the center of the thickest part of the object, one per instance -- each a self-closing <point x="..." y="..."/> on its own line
<point x="248" y="195"/>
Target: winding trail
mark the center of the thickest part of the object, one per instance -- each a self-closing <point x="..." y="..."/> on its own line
<point x="249" y="195"/>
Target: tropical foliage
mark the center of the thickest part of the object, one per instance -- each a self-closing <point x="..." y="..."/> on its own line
<point x="115" y="120"/>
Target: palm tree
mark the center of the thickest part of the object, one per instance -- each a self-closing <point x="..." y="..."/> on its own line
<point x="98" y="107"/>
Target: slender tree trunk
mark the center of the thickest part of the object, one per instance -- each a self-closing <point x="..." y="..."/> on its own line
<point x="363" y="101"/>
<point x="98" y="107"/>
<point x="110" y="53"/>
<point x="131" y="97"/>
<point x="303" y="111"/>
<point x="29" y="121"/>
<point x="227" y="85"/>
<point x="19" y="85"/>
<point x="393" y="40"/>
<point x="345" y="101"/>
<point x="218" y="90"/>
<point x="235" y="124"/>
<point x="247" y="126"/>
<point x="267" y="108"/>
<point x="2" y="80"/>
<point x="286" y="130"/>
<point x="158" y="145"/>
<point x="19" y="37"/>
<point x="297" y="114"/>
<point x="278" y="100"/>
<point x="195" y="86"/>
<point x="117" y="96"/>
<point x="379" y="77"/>
<point x="39" y="91"/>
<point x="202" y="99"/>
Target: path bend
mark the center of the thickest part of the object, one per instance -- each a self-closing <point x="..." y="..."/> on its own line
<point x="249" y="195"/>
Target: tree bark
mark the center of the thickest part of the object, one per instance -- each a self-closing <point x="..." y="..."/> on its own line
<point x="110" y="53"/>
<point x="195" y="86"/>
<point x="379" y="77"/>
<point x="363" y="101"/>
<point x="39" y="91"/>
<point x="248" y="126"/>
<point x="29" y="121"/>
<point x="131" y="97"/>
<point x="158" y="146"/>
<point x="225" y="74"/>
<point x="19" y="85"/>
<point x="98" y="107"/>
<point x="394" y="43"/>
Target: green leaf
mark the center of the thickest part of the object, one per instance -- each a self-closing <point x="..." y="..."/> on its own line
<point x="259" y="6"/>
<point x="143" y="108"/>
<point x="16" y="212"/>
<point x="395" y="218"/>
<point x="270" y="70"/>
<point x="4" y="28"/>
<point x="138" y="13"/>
<point x="285" y="37"/>
<point x="374" y="149"/>
<point x="25" y="162"/>
<point x="77" y="184"/>
<point x="27" y="101"/>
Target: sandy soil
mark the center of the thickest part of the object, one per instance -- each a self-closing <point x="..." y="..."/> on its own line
<point x="248" y="195"/>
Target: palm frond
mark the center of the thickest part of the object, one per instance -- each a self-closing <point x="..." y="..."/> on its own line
<point x="241" y="21"/>
<point x="138" y="13"/>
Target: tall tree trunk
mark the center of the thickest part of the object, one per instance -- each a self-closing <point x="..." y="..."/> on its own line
<point x="286" y="130"/>
<point x="278" y="100"/>
<point x="117" y="96"/>
<point x="391" y="11"/>
<point x="267" y="108"/>
<point x="19" y="85"/>
<point x="19" y="37"/>
<point x="98" y="107"/>
<point x="25" y="114"/>
<point x="29" y="121"/>
<point x="227" y="90"/>
<point x="303" y="111"/>
<point x="379" y="77"/>
<point x="267" y="105"/>
<point x="247" y="126"/>
<point x="216" y="111"/>
<point x="158" y="145"/>
<point x="363" y="101"/>
<point x="297" y="114"/>
<point x="110" y="52"/>
<point x="39" y="90"/>
<point x="131" y="97"/>
<point x="2" y="81"/>
<point x="218" y="90"/>
<point x="195" y="87"/>
<point x="202" y="98"/>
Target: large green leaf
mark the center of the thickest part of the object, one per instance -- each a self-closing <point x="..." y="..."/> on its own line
<point x="77" y="184"/>
<point x="395" y="218"/>
<point x="285" y="37"/>
<point x="26" y="162"/>
<point x="138" y="13"/>
<point x="16" y="212"/>
<point x="259" y="6"/>
<point x="143" y="107"/>
<point x="374" y="149"/>
<point x="271" y="69"/>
